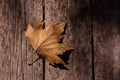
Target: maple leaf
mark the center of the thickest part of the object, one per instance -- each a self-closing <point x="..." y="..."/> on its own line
<point x="45" y="41"/>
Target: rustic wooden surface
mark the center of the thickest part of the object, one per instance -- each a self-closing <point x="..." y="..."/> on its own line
<point x="78" y="36"/>
<point x="107" y="39"/>
<point x="80" y="28"/>
<point x="57" y="11"/>
<point x="14" y="16"/>
<point x="93" y="29"/>
<point x="33" y="13"/>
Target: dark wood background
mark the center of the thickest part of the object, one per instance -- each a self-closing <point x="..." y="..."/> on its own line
<point x="93" y="29"/>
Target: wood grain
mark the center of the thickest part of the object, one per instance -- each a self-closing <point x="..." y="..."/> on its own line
<point x="11" y="43"/>
<point x="107" y="40"/>
<point x="34" y="14"/>
<point x="81" y="31"/>
<point x="93" y="29"/>
<point x="78" y="35"/>
<point x="14" y="16"/>
<point x="57" y="11"/>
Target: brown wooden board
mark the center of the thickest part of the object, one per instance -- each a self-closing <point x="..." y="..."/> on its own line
<point x="11" y="68"/>
<point x="14" y="16"/>
<point x="34" y="14"/>
<point x="78" y="35"/>
<point x="56" y="11"/>
<point x="106" y="39"/>
<point x="93" y="30"/>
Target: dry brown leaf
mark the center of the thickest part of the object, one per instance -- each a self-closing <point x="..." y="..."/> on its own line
<point x="46" y="41"/>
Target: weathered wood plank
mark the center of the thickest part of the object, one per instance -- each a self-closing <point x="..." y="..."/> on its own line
<point x="4" y="54"/>
<point x="34" y="13"/>
<point x="56" y="11"/>
<point x="78" y="35"/>
<point x="11" y="41"/>
<point x="107" y="40"/>
<point x="14" y="16"/>
<point x="81" y="30"/>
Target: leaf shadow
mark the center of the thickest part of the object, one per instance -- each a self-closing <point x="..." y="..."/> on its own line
<point x="65" y="58"/>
